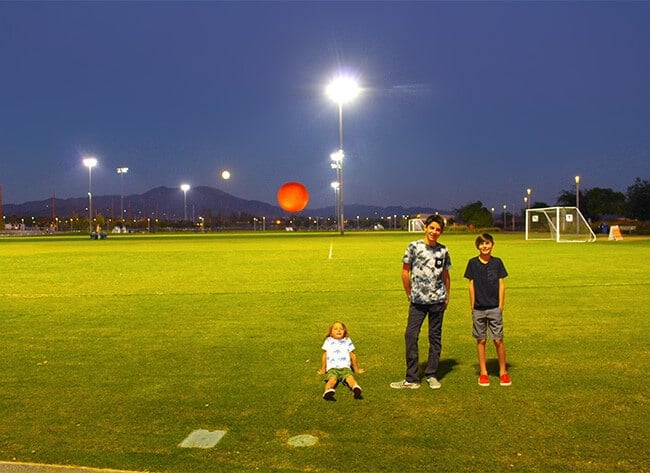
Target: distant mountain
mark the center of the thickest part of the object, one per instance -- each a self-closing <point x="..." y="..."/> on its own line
<point x="167" y="203"/>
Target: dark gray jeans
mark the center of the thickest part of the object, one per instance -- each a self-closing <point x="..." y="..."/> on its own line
<point x="417" y="314"/>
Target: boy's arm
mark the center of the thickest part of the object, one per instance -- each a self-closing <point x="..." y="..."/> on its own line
<point x="355" y="365"/>
<point x="406" y="279"/>
<point x="323" y="365"/>
<point x="472" y="294"/>
<point x="502" y="293"/>
<point x="446" y="279"/>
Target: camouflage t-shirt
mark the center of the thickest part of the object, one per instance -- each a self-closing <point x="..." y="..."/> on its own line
<point x="427" y="264"/>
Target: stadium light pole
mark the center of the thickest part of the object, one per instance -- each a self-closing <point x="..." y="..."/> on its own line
<point x="504" y="216"/>
<point x="185" y="188"/>
<point x="122" y="171"/>
<point x="225" y="175"/>
<point x="528" y="192"/>
<point x="337" y="164"/>
<point x="90" y="162"/>
<point x="341" y="90"/>
<point x="336" y="185"/>
<point x="578" y="204"/>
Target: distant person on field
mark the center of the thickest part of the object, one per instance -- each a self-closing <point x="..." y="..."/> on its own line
<point x="339" y="361"/>
<point x="426" y="280"/>
<point x="487" y="292"/>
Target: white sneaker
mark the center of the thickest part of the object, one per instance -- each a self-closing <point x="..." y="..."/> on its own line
<point x="433" y="383"/>
<point x="404" y="385"/>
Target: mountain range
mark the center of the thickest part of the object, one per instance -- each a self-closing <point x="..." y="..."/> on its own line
<point x="166" y="203"/>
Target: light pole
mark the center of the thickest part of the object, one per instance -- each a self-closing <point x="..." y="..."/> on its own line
<point x="504" y="216"/>
<point x="225" y="175"/>
<point x="341" y="90"/>
<point x="577" y="204"/>
<point x="90" y="162"/>
<point x="337" y="164"/>
<point x="185" y="188"/>
<point x="336" y="185"/>
<point x="122" y="171"/>
<point x="528" y="192"/>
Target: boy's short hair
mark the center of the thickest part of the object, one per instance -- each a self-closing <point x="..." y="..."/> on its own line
<point x="483" y="237"/>
<point x="435" y="218"/>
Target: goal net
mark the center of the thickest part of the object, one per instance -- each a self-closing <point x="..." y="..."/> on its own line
<point x="562" y="224"/>
<point x="416" y="225"/>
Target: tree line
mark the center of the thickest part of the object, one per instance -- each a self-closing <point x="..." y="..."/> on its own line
<point x="595" y="204"/>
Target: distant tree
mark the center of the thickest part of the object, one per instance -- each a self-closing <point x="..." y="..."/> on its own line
<point x="475" y="214"/>
<point x="604" y="202"/>
<point x="638" y="200"/>
<point x="539" y="205"/>
<point x="567" y="199"/>
<point x="100" y="220"/>
<point x="595" y="202"/>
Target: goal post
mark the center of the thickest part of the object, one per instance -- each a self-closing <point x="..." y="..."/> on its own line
<point x="416" y="225"/>
<point x="562" y="224"/>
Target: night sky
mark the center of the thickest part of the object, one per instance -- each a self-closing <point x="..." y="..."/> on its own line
<point x="461" y="101"/>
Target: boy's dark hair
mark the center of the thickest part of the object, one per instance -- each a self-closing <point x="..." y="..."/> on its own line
<point x="483" y="237"/>
<point x="435" y="218"/>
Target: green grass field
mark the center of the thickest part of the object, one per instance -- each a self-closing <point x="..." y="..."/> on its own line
<point x="115" y="350"/>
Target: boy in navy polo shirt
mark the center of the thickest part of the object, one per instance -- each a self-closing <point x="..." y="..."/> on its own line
<point x="487" y="293"/>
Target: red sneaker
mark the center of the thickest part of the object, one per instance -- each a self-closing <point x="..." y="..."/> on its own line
<point x="505" y="380"/>
<point x="483" y="380"/>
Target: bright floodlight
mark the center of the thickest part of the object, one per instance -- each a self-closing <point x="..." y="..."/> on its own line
<point x="185" y="187"/>
<point x="225" y="175"/>
<point x="337" y="159"/>
<point x="343" y="89"/>
<point x="90" y="162"/>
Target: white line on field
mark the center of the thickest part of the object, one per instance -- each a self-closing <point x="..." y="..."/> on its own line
<point x="331" y="248"/>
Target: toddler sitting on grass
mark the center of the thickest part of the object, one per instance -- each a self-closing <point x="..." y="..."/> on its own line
<point x="339" y="362"/>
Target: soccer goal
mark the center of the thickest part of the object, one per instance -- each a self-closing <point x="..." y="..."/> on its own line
<point x="562" y="224"/>
<point x="416" y="225"/>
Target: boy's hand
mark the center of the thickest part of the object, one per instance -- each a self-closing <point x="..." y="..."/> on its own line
<point x="360" y="371"/>
<point x="321" y="371"/>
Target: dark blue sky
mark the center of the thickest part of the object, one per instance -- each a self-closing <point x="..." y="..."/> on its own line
<point x="462" y="101"/>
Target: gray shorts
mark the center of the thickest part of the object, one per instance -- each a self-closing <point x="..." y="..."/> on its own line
<point x="484" y="320"/>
